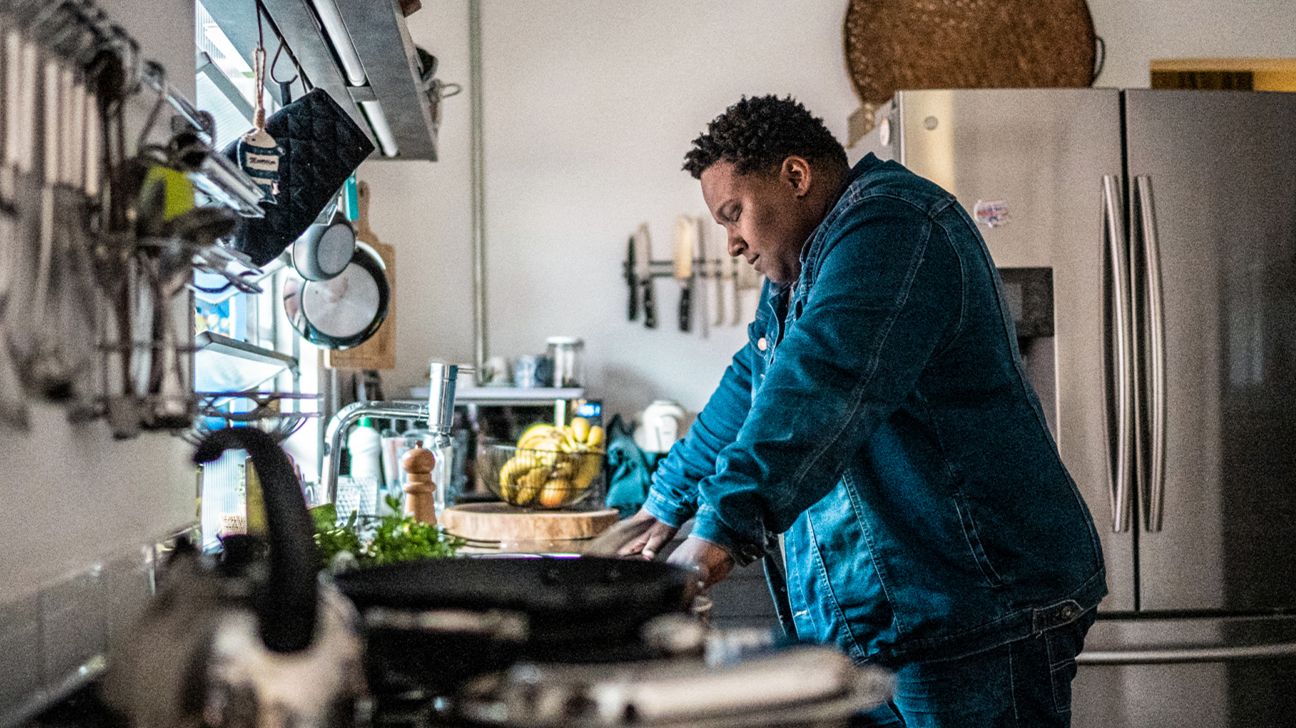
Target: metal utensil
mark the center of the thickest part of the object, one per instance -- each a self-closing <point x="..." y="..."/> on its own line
<point x="718" y="259"/>
<point x="643" y="244"/>
<point x="744" y="277"/>
<point x="13" y="407"/>
<point x="23" y="125"/>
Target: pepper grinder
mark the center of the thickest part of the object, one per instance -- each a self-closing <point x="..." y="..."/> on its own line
<point x="418" y="463"/>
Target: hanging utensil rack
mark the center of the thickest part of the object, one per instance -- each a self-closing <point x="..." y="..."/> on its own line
<point x="279" y="413"/>
<point x="98" y="328"/>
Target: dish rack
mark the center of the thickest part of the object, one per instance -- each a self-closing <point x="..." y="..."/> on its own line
<point x="279" y="413"/>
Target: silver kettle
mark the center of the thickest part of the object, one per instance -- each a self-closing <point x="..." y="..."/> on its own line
<point x="249" y="643"/>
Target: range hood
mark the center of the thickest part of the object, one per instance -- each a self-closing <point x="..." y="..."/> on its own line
<point x="359" y="51"/>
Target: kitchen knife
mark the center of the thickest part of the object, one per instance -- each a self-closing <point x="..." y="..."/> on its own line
<point x="738" y="270"/>
<point x="699" y="269"/>
<point x="719" y="262"/>
<point x="685" y="244"/>
<point x="643" y="247"/>
<point x="632" y="280"/>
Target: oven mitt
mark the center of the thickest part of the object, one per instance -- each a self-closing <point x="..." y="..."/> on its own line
<point x="321" y="147"/>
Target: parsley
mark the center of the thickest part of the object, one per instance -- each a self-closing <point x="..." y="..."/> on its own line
<point x="377" y="540"/>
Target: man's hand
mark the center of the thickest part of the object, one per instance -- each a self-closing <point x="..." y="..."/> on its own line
<point x="712" y="563"/>
<point x="639" y="535"/>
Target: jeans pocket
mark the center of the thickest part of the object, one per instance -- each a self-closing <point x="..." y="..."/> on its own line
<point x="1062" y="644"/>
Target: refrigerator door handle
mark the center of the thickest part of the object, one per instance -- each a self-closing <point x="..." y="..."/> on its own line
<point x="1165" y="656"/>
<point x="1121" y="472"/>
<point x="1154" y="498"/>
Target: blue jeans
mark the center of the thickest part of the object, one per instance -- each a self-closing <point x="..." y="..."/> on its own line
<point x="1023" y="683"/>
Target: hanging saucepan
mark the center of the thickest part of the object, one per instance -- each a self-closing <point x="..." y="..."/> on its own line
<point x="433" y="624"/>
<point x="325" y="249"/>
<point x="345" y="310"/>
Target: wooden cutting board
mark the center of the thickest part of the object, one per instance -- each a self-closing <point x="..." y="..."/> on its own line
<point x="501" y="522"/>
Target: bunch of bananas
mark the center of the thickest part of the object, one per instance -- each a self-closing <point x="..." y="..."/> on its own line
<point x="553" y="466"/>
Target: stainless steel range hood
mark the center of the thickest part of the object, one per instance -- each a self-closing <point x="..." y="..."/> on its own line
<point x="359" y="51"/>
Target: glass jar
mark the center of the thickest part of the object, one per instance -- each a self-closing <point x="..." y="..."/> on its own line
<point x="566" y="355"/>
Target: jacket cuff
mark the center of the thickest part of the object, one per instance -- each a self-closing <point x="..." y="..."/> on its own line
<point x="709" y="528"/>
<point x="667" y="510"/>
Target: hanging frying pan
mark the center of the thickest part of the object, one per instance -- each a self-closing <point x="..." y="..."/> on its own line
<point x="910" y="44"/>
<point x="343" y="311"/>
<point x="325" y="249"/>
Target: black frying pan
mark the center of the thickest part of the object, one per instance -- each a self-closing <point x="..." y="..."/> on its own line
<point x="571" y="610"/>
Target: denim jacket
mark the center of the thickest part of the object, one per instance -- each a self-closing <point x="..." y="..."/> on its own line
<point x="880" y="418"/>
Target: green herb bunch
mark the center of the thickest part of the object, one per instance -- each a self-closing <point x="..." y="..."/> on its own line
<point x="377" y="540"/>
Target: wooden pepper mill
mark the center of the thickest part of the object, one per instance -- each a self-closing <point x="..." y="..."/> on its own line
<point x="417" y="464"/>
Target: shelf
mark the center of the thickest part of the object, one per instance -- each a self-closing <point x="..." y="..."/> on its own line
<point x="391" y="64"/>
<point x="378" y="31"/>
<point x="223" y="364"/>
<point x="507" y="395"/>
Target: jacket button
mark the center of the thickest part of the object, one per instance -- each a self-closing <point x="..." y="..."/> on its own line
<point x="762" y="344"/>
<point x="1069" y="612"/>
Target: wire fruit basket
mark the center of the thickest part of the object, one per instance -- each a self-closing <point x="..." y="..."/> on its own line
<point x="540" y="478"/>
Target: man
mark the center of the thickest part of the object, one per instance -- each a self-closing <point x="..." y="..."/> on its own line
<point x="881" y="421"/>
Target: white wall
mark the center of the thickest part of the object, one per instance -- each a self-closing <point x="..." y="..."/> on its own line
<point x="74" y="494"/>
<point x="423" y="208"/>
<point x="1138" y="31"/>
<point x="589" y="108"/>
<point x="78" y="506"/>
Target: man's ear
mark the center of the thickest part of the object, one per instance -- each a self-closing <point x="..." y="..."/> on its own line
<point x="795" y="171"/>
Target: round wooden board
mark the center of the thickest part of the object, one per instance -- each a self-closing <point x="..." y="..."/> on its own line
<point x="509" y="524"/>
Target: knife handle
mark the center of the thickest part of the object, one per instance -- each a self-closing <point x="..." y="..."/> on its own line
<point x="632" y="280"/>
<point x="632" y="309"/>
<point x="649" y="305"/>
<point x="686" y="307"/>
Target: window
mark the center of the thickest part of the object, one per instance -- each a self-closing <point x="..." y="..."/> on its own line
<point x="246" y="342"/>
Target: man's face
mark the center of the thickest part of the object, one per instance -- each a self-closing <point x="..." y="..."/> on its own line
<point x="764" y="213"/>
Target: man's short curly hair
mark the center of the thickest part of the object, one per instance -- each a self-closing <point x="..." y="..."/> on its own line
<point x="759" y="133"/>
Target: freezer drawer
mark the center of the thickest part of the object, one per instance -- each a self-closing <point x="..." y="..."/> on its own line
<point x="1246" y="684"/>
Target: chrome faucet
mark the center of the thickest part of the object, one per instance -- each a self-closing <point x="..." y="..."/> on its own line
<point x="437" y="412"/>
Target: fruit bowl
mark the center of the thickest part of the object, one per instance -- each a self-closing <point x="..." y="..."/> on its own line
<point x="539" y="477"/>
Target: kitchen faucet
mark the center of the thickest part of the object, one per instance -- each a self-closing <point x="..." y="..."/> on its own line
<point x="438" y="412"/>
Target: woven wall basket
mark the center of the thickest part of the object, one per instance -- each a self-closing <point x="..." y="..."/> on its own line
<point x="918" y="44"/>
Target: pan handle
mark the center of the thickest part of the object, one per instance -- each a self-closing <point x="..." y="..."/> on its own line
<point x="495" y="624"/>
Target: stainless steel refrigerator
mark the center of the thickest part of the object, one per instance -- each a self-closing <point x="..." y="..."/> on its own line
<point x="1148" y="241"/>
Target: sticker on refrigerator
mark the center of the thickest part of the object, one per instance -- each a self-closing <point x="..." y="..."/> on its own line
<point x="991" y="213"/>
